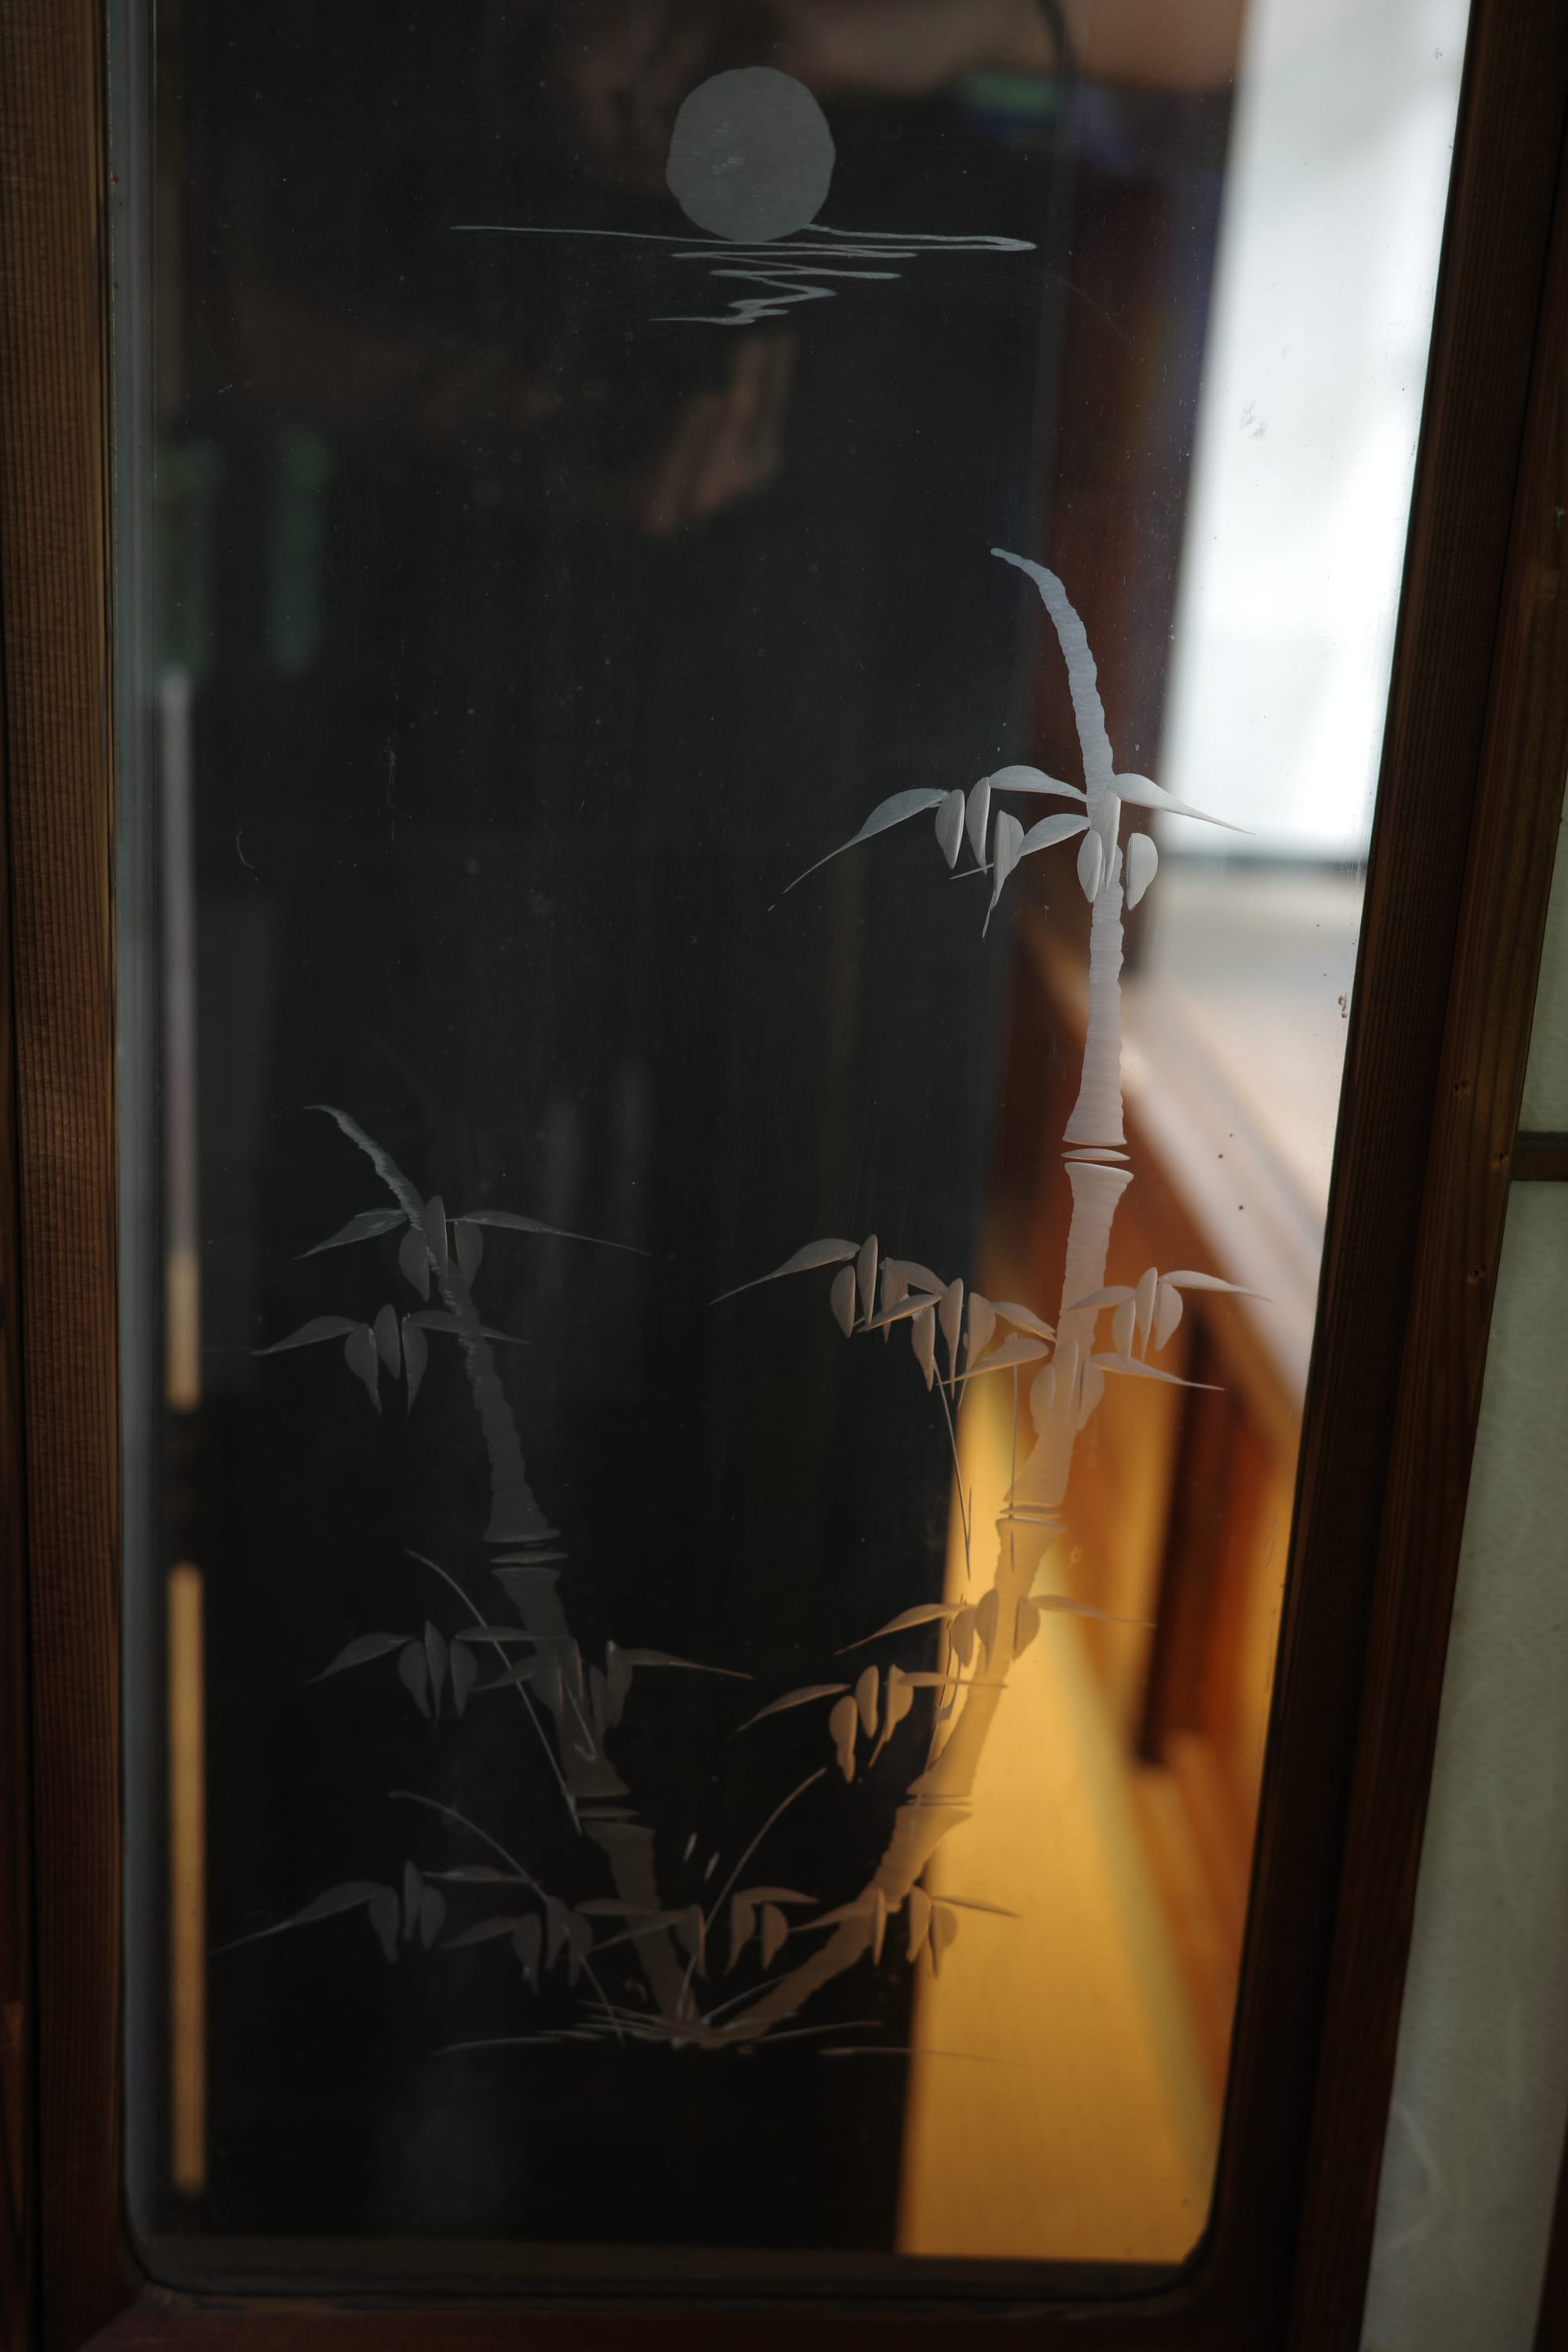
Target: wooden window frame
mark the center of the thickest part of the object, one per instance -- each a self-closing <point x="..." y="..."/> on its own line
<point x="1467" y="813"/>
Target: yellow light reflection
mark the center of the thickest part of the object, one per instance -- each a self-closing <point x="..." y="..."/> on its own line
<point x="1059" y="2104"/>
<point x="187" y="1885"/>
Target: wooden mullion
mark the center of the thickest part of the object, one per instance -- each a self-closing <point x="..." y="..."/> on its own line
<point x="54" y="599"/>
<point x="1539" y="1157"/>
<point x="1476" y="1100"/>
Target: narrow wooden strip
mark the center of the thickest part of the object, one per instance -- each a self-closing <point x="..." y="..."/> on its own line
<point x="18" y="2216"/>
<point x="54" y="599"/>
<point x="1539" y="1157"/>
<point x="1460" y="1236"/>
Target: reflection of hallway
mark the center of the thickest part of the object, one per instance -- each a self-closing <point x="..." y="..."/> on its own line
<point x="1075" y="2120"/>
<point x="1117" y="1797"/>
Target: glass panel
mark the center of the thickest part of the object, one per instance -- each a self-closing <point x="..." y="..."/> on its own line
<point x="1481" y="2090"/>
<point x="737" y="1192"/>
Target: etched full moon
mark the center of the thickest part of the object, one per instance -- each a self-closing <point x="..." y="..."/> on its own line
<point x="751" y="156"/>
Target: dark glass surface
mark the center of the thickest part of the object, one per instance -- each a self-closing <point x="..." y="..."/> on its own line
<point x="527" y="624"/>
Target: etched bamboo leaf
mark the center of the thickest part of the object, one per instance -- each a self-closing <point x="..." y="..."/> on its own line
<point x="775" y="1928"/>
<point x="841" y="1299"/>
<point x="964" y="1632"/>
<point x="866" y="1701"/>
<point x="1049" y="831"/>
<point x="899" y="1699"/>
<point x="1139" y="791"/>
<point x="1143" y="1300"/>
<point x="1186" y="1279"/>
<point x="917" y="1276"/>
<point x="1150" y="1372"/>
<point x="320" y="1327"/>
<point x="385" y="1330"/>
<point x="414" y="1674"/>
<point x="987" y="1615"/>
<point x="1167" y="1313"/>
<point x="509" y="1221"/>
<point x="1114" y="1294"/>
<point x="691" y="1934"/>
<point x="805" y="1260"/>
<point x="1061" y="1604"/>
<point x="557" y="1928"/>
<point x="915" y="1303"/>
<point x="413" y="1893"/>
<point x="866" y="1277"/>
<point x="944" y="1934"/>
<point x="981" y="1324"/>
<point x="489" y="1931"/>
<point x="1042" y="1397"/>
<point x="528" y="1943"/>
<point x="465" y="1674"/>
<point x="1091" y="1389"/>
<point x="920" y="1920"/>
<point x="893" y="1291"/>
<point x="949" y="826"/>
<point x="1142" y="864"/>
<point x="435" y="1232"/>
<point x="459" y="1327"/>
<point x="363" y="1228"/>
<point x="416" y="1356"/>
<point x="530" y="1671"/>
<point x="742" y="1923"/>
<point x="1124" y="1327"/>
<point x="690" y="1665"/>
<point x="926" y="1614"/>
<point x="436" y="1650"/>
<point x="363" y="1361"/>
<point x="361" y="1650"/>
<point x="1006" y="843"/>
<point x="1024" y="1317"/>
<point x="950" y="1314"/>
<point x="777" y="1895"/>
<point x="1015" y="1349"/>
<point x="470" y="1243"/>
<point x="977" y="813"/>
<point x="352" y="1896"/>
<point x="1090" y="869"/>
<point x="794" y="1698"/>
<point x="922" y="1338"/>
<point x="886" y="814"/>
<point x="841" y="1726"/>
<point x="878" y="1924"/>
<point x="432" y="1915"/>
<point x="1020" y="779"/>
<point x="1025" y="1625"/>
<point x="413" y="1261"/>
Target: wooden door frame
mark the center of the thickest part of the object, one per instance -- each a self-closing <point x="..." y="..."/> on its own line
<point x="1468" y="810"/>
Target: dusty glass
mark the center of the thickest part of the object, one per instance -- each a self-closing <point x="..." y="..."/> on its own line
<point x="755" y="645"/>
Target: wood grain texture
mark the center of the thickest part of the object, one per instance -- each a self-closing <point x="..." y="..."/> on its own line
<point x="54" y="594"/>
<point x="17" y="2211"/>
<point x="1541" y="1157"/>
<point x="1460" y="1236"/>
